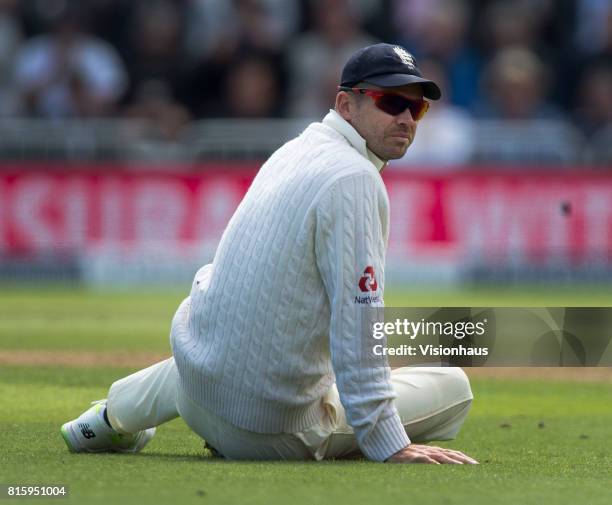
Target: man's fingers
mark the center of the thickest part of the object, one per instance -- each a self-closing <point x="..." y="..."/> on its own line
<point x="432" y="455"/>
<point x="464" y="457"/>
<point x="423" y="458"/>
<point x="456" y="459"/>
<point x="415" y="457"/>
<point x="447" y="455"/>
<point x="440" y="457"/>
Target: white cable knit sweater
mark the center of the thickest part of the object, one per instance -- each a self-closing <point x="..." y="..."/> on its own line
<point x="279" y="317"/>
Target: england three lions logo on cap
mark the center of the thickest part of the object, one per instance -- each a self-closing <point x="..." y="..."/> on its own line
<point x="405" y="56"/>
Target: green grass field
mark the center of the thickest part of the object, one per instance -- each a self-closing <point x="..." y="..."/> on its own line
<point x="538" y="441"/>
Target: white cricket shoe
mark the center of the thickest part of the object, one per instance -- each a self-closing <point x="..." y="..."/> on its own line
<point x="90" y="433"/>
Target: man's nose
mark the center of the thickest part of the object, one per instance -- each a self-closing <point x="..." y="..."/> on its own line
<point x="405" y="118"/>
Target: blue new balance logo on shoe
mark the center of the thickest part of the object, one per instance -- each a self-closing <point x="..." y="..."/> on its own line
<point x="86" y="431"/>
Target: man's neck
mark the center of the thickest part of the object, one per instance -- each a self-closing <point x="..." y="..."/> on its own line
<point x="342" y="126"/>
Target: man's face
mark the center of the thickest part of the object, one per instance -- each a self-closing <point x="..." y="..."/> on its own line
<point x="386" y="136"/>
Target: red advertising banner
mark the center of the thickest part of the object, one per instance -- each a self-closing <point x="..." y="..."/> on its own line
<point x="495" y="215"/>
<point x="457" y="216"/>
<point x="73" y="210"/>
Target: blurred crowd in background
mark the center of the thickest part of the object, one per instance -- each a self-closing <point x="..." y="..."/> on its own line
<point x="175" y="61"/>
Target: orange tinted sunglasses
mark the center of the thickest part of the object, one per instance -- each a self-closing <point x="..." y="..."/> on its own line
<point x="393" y="103"/>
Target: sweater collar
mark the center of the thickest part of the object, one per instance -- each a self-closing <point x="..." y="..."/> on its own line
<point x="338" y="123"/>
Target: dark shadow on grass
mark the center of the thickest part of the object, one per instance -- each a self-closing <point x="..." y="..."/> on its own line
<point x="146" y="455"/>
<point x="222" y="461"/>
<point x="171" y="456"/>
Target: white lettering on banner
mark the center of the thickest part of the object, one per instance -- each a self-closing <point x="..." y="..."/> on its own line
<point x="501" y="219"/>
<point x="3" y="215"/>
<point x="554" y="225"/>
<point x="407" y="199"/>
<point x="598" y="221"/>
<point x="160" y="210"/>
<point x="34" y="203"/>
<point x="111" y="212"/>
<point x="527" y="223"/>
<point x="216" y="202"/>
<point x="477" y="224"/>
<point x="75" y="213"/>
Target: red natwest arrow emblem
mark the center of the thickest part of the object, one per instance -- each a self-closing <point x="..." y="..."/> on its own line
<point x="368" y="281"/>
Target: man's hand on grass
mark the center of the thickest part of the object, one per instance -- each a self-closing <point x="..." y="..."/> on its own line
<point x="433" y="455"/>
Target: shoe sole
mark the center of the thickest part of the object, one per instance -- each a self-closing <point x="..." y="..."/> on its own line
<point x="66" y="437"/>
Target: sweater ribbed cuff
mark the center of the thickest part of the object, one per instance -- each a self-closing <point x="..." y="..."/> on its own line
<point x="387" y="437"/>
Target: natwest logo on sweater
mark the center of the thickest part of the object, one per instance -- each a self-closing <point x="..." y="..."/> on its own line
<point x="368" y="280"/>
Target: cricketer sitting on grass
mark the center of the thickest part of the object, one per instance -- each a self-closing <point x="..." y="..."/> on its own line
<point x="269" y="360"/>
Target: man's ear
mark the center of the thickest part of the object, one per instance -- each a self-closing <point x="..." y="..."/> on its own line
<point x="344" y="105"/>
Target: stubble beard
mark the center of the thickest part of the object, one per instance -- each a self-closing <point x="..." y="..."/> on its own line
<point x="397" y="153"/>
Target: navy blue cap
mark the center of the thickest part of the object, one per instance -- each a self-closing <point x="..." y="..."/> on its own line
<point x="386" y="65"/>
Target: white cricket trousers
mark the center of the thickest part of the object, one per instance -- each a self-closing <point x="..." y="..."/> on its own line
<point x="432" y="404"/>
